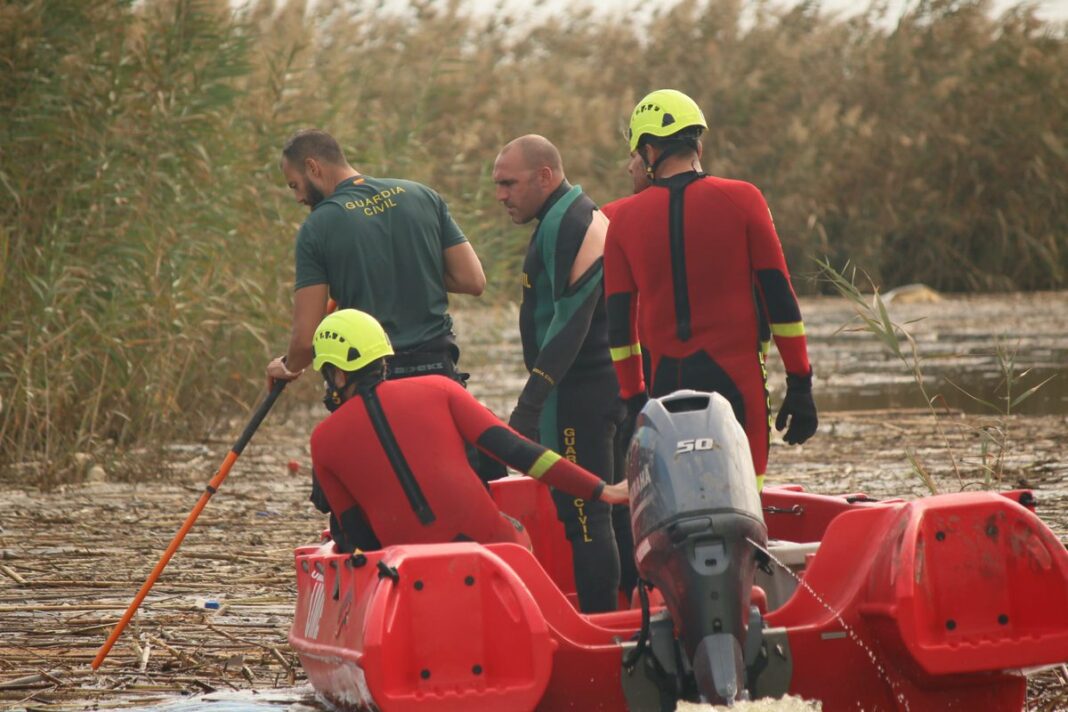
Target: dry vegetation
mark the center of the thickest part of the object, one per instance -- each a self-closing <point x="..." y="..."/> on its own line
<point x="145" y="234"/>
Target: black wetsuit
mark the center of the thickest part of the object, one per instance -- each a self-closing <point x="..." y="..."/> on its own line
<point x="565" y="347"/>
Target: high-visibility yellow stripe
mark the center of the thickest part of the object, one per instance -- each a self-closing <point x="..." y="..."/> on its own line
<point x="765" y="347"/>
<point x="538" y="372"/>
<point x="543" y="463"/>
<point x="794" y="328"/>
<point x="622" y="353"/>
<point x="760" y="483"/>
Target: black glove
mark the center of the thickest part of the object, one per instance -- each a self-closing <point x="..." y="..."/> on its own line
<point x="634" y="405"/>
<point x="524" y="420"/>
<point x="799" y="408"/>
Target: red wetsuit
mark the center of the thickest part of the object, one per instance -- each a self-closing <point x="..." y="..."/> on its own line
<point x="703" y="254"/>
<point x="424" y="489"/>
<point x="609" y="209"/>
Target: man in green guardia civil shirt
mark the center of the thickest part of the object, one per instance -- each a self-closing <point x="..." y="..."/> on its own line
<point x="385" y="246"/>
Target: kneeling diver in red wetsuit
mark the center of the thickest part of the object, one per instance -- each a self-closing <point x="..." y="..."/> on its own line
<point x="390" y="458"/>
<point x="703" y="255"/>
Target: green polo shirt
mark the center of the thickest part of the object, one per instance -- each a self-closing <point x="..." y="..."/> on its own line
<point x="378" y="243"/>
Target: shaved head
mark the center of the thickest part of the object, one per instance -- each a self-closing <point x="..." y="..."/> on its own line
<point x="527" y="170"/>
<point x="536" y="152"/>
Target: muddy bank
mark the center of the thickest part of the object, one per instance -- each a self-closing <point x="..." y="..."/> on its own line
<point x="71" y="560"/>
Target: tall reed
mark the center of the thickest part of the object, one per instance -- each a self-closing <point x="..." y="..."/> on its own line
<point x="146" y="235"/>
<point x="130" y="312"/>
<point x="873" y="317"/>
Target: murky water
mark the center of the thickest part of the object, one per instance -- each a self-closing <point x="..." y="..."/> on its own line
<point x="976" y="354"/>
<point x="850" y="630"/>
<point x="986" y="389"/>
<point x="294" y="699"/>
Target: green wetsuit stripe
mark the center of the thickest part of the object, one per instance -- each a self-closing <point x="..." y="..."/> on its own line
<point x="550" y="226"/>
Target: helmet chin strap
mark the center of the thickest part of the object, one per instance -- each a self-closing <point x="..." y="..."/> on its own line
<point x="334" y="397"/>
<point x="669" y="150"/>
<point x="650" y="169"/>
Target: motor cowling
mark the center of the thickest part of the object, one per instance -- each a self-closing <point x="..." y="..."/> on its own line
<point x="695" y="514"/>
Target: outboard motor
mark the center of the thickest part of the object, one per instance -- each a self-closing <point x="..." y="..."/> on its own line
<point x="694" y="509"/>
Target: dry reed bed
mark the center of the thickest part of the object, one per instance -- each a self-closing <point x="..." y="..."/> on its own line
<point x="73" y="558"/>
<point x="145" y="230"/>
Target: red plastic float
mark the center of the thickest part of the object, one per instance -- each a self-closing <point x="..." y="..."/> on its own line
<point x="934" y="604"/>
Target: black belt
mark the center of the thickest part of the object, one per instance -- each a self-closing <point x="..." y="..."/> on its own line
<point x="435" y="357"/>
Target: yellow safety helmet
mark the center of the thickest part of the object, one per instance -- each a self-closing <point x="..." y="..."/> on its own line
<point x="349" y="339"/>
<point x="663" y="113"/>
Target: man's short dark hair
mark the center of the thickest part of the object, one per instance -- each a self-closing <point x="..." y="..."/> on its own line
<point x="685" y="140"/>
<point x="312" y="143"/>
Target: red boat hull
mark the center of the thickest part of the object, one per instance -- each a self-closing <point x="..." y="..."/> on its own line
<point x="927" y="605"/>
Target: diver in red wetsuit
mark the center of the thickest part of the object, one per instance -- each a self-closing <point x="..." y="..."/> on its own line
<point x="640" y="181"/>
<point x="703" y="255"/>
<point x="390" y="458"/>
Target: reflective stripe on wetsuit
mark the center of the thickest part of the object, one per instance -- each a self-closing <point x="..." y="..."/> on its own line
<point x="536" y="460"/>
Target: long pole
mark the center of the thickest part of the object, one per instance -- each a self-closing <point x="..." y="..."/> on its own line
<point x="211" y="488"/>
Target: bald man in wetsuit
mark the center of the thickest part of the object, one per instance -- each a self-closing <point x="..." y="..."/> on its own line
<point x="570" y="402"/>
